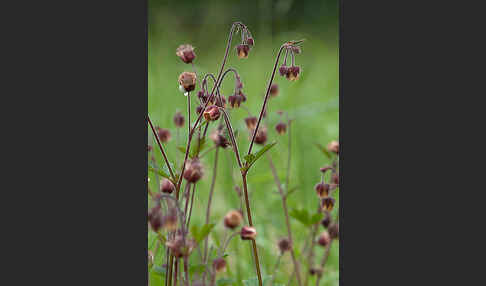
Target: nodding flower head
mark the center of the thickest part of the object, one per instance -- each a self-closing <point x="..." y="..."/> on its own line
<point x="169" y="221"/>
<point x="180" y="248"/>
<point x="248" y="233"/>
<point x="199" y="109"/>
<point x="324" y="239"/>
<point x="243" y="51"/>
<point x="322" y="190"/>
<point x="164" y="134"/>
<point x="250" y="41"/>
<point x="155" y="218"/>
<point x="193" y="171"/>
<point x="179" y="119"/>
<point x="325" y="169"/>
<point x="284" y="245"/>
<point x="233" y="219"/>
<point x="219" y="265"/>
<point x="222" y="102"/>
<point x="296" y="49"/>
<point x="167" y="186"/>
<point x="274" y="90"/>
<point x="293" y="73"/>
<point x="186" y="53"/>
<point x="283" y="70"/>
<point x="261" y="136"/>
<point x="334" y="230"/>
<point x="187" y="81"/>
<point x="327" y="203"/>
<point x="235" y="100"/>
<point x="326" y="220"/>
<point x="212" y="113"/>
<point x="333" y="146"/>
<point x="218" y="137"/>
<point x="281" y="128"/>
<point x="251" y="122"/>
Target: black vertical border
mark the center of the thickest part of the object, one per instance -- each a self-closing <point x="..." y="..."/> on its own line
<point x="341" y="149"/>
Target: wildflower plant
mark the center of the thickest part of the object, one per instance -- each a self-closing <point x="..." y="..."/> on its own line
<point x="171" y="208"/>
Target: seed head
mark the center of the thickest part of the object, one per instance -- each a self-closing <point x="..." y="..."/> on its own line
<point x="324" y="239"/>
<point x="211" y="113"/>
<point x="251" y="122"/>
<point x="219" y="265"/>
<point x="164" y="134"/>
<point x="261" y="136"/>
<point x="242" y="51"/>
<point x="187" y="80"/>
<point x="179" y="119"/>
<point x="327" y="203"/>
<point x="186" y="53"/>
<point x="322" y="190"/>
<point x="274" y="90"/>
<point x="248" y="233"/>
<point x="193" y="170"/>
<point x="167" y="186"/>
<point x="233" y="219"/>
<point x="293" y="73"/>
<point x="333" y="146"/>
<point x="281" y="128"/>
<point x="284" y="245"/>
<point x="334" y="230"/>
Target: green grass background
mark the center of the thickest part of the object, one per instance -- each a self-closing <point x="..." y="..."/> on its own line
<point x="312" y="102"/>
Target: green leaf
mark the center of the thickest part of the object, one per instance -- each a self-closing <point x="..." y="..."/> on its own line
<point x="301" y="215"/>
<point x="158" y="270"/>
<point x="182" y="149"/>
<point x="158" y="171"/>
<point x="316" y="218"/>
<point x="323" y="150"/>
<point x="197" y="147"/>
<point x="205" y="230"/>
<point x="251" y="159"/>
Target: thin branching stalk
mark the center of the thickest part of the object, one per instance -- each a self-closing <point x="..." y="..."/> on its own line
<point x="287" y="220"/>
<point x="310" y="257"/>
<point x="161" y="148"/>
<point x="232" y="136"/>
<point x="323" y="261"/>
<point x="190" y="208"/>
<point x="186" y="271"/>
<point x="266" y="97"/>
<point x="288" y="155"/>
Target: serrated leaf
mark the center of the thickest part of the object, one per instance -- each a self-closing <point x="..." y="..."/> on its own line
<point x="251" y="159"/>
<point x="301" y="215"/>
<point x="158" y="171"/>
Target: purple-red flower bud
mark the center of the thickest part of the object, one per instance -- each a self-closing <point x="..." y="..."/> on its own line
<point x="324" y="239"/>
<point x="322" y="190"/>
<point x="281" y="128"/>
<point x="274" y="90"/>
<point x="186" y="53"/>
<point x="219" y="265"/>
<point x="248" y="233"/>
<point x="233" y="219"/>
<point x="164" y="134"/>
<point x="242" y="51"/>
<point x="327" y="203"/>
<point x="187" y="80"/>
<point x="193" y="170"/>
<point x="179" y="119"/>
<point x="211" y="113"/>
<point x="251" y="122"/>
<point x="167" y="186"/>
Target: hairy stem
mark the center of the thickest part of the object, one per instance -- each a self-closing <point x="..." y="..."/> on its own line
<point x="287" y="220"/>
<point x="232" y="137"/>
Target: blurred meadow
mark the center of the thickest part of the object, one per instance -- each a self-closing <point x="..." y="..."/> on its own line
<point x="312" y="102"/>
